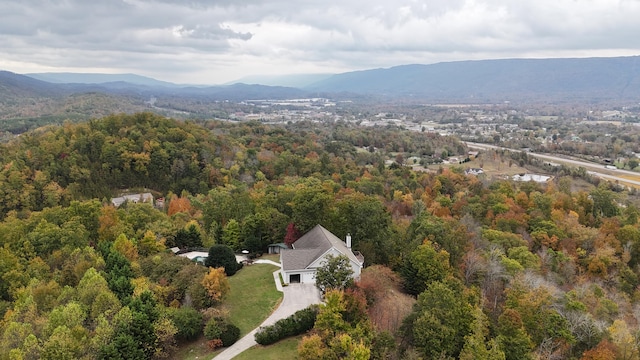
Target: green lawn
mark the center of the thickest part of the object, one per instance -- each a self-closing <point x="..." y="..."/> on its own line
<point x="272" y="257"/>
<point x="286" y="349"/>
<point x="253" y="296"/>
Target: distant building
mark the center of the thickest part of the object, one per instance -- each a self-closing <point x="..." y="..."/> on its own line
<point x="531" y="177"/>
<point x="135" y="198"/>
<point x="474" y="171"/>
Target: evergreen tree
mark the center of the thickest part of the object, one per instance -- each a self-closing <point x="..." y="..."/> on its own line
<point x="222" y="256"/>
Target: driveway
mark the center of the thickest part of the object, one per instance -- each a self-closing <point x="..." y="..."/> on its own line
<point x="296" y="297"/>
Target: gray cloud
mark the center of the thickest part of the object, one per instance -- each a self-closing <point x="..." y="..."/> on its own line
<point x="214" y="41"/>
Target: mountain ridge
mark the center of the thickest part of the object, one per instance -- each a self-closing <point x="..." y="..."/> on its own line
<point x="492" y="80"/>
<point x="612" y="81"/>
<point x="97" y="78"/>
<point x="477" y="81"/>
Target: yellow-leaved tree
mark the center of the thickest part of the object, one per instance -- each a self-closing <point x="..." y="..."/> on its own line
<point x="216" y="284"/>
<point x="624" y="340"/>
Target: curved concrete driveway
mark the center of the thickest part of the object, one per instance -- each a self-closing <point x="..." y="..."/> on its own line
<point x="296" y="297"/>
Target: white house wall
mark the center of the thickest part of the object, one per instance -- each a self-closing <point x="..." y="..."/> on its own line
<point x="356" y="267"/>
<point x="321" y="259"/>
<point x="306" y="277"/>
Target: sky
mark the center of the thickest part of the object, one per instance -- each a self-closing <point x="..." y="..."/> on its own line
<point x="217" y="41"/>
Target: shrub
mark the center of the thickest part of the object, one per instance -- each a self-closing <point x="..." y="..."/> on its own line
<point x="220" y="329"/>
<point x="213" y="328"/>
<point x="214" y="344"/>
<point x="187" y="320"/>
<point x="199" y="297"/>
<point x="230" y="334"/>
<point x="300" y="322"/>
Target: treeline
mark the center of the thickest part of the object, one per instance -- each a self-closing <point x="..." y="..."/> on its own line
<point x="503" y="270"/>
<point x="55" y="165"/>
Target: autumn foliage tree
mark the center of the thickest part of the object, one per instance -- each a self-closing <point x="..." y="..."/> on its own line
<point x="178" y="205"/>
<point x="292" y="235"/>
<point x="341" y="330"/>
<point x="216" y="284"/>
<point x="605" y="350"/>
<point x="387" y="304"/>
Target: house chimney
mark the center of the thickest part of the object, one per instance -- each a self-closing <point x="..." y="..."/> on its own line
<point x="349" y="241"/>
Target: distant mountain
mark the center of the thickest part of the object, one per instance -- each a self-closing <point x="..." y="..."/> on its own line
<point x="296" y="80"/>
<point x="26" y="102"/>
<point x="93" y="78"/>
<point x="135" y="85"/>
<point x="15" y="85"/>
<point x="559" y="80"/>
<point x="239" y="92"/>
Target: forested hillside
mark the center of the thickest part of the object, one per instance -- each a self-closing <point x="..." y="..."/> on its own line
<point x="498" y="270"/>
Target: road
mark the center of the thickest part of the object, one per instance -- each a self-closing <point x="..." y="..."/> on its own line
<point x="592" y="168"/>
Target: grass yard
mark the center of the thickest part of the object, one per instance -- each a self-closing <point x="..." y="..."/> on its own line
<point x="286" y="349"/>
<point x="253" y="296"/>
<point x="272" y="257"/>
<point x="195" y="350"/>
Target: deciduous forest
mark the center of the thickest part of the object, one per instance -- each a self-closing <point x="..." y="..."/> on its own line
<point x="455" y="267"/>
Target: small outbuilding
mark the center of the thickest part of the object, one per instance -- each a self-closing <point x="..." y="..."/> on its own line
<point x="276" y="248"/>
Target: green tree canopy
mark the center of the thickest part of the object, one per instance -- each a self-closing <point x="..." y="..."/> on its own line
<point x="335" y="273"/>
<point x="222" y="256"/>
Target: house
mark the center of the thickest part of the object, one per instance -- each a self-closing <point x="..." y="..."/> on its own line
<point x="135" y="198"/>
<point x="310" y="251"/>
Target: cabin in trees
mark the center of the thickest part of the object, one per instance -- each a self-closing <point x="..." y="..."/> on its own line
<point x="135" y="198"/>
<point x="309" y="252"/>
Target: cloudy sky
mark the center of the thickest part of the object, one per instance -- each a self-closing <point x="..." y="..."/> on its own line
<point x="215" y="41"/>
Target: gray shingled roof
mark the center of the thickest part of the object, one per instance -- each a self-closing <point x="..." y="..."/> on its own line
<point x="311" y="246"/>
<point x="144" y="197"/>
<point x="298" y="259"/>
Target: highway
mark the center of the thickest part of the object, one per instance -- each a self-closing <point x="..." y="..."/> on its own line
<point x="592" y="168"/>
